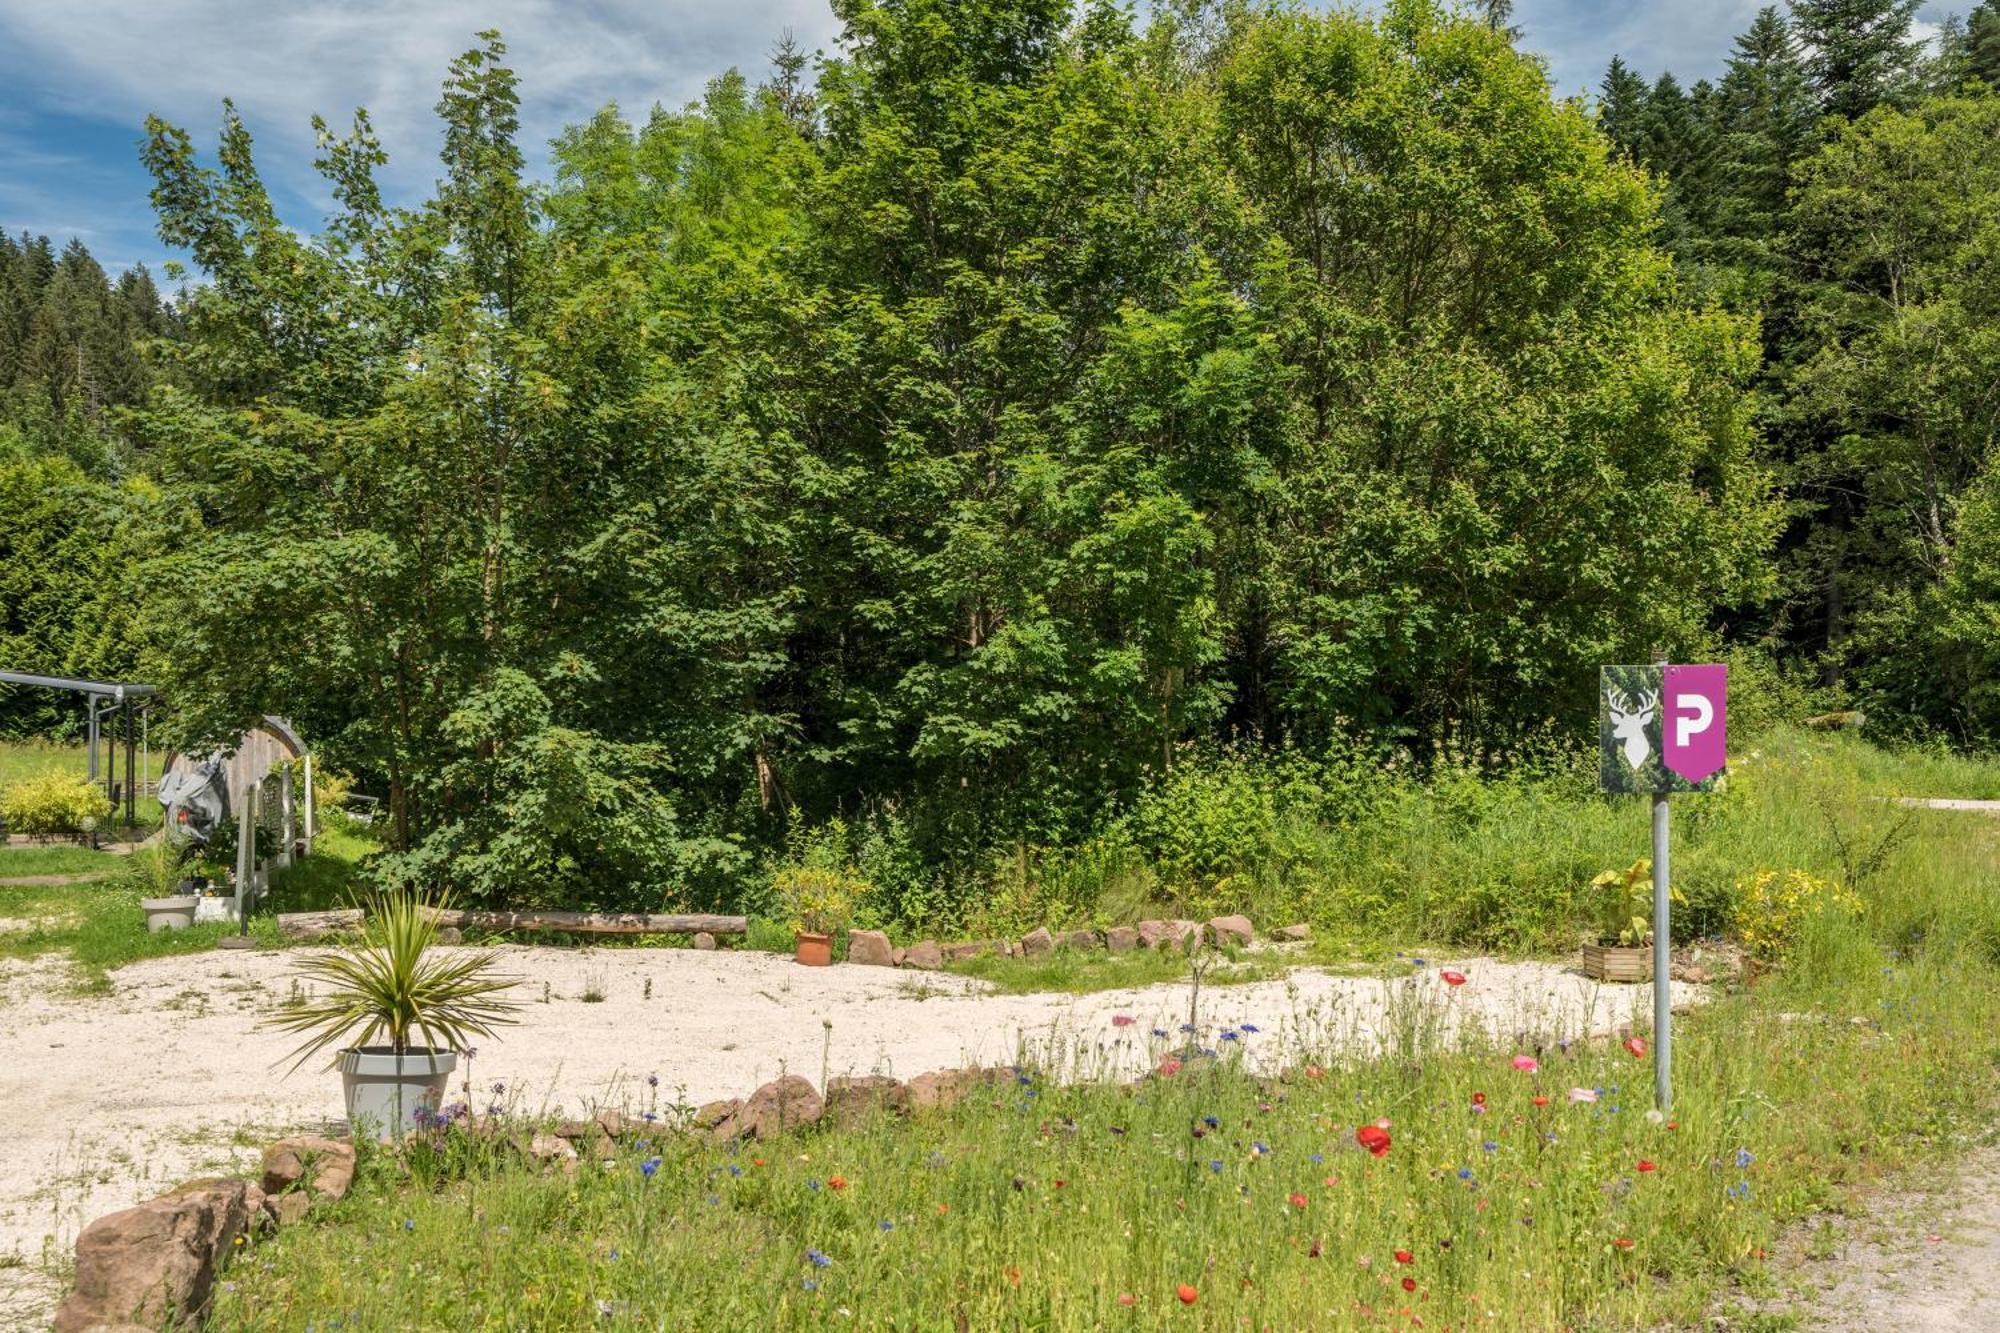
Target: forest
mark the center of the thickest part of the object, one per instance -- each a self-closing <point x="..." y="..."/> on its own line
<point x="952" y="439"/>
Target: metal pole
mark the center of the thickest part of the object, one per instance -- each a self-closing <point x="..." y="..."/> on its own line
<point x="131" y="762"/>
<point x="310" y="828"/>
<point x="1662" y="969"/>
<point x="93" y="740"/>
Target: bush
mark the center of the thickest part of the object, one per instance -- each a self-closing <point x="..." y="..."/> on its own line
<point x="1774" y="908"/>
<point x="54" y="807"/>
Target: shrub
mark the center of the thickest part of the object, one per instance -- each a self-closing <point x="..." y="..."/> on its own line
<point x="54" y="806"/>
<point x="820" y="887"/>
<point x="1773" y="907"/>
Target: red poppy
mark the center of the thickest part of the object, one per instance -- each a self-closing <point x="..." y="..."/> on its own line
<point x="1645" y="1165"/>
<point x="943" y="1208"/>
<point x="1374" y="1138"/>
<point x="1409" y="1284"/>
<point x="836" y="1182"/>
<point x="1122" y="1020"/>
<point x="1060" y="1183"/>
<point x="756" y="1161"/>
<point x="1187" y="1294"/>
<point x="1405" y="1257"/>
<point x="1168" y="1068"/>
<point x="1453" y="978"/>
<point x="1313" y="1253"/>
<point x="1540" y="1100"/>
<point x="1127" y="1299"/>
<point x="1299" y="1200"/>
<point x="1013" y="1274"/>
<point x="1314" y="1071"/>
<point x="1636" y="1045"/>
<point x="1622" y="1243"/>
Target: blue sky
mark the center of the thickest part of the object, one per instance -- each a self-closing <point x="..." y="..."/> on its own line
<point x="78" y="77"/>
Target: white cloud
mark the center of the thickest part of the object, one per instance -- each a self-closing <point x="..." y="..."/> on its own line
<point x="282" y="62"/>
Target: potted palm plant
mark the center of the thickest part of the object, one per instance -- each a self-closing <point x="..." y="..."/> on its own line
<point x="424" y="1008"/>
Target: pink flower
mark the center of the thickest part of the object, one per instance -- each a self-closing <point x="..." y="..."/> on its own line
<point x="1527" y="1064"/>
<point x="1453" y="978"/>
<point x="1122" y="1020"/>
<point x="1582" y="1095"/>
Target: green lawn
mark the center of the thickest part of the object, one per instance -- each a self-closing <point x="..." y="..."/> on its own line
<point x="18" y="860"/>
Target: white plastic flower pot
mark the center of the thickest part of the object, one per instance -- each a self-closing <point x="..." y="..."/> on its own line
<point x="385" y="1091"/>
<point x="176" y="913"/>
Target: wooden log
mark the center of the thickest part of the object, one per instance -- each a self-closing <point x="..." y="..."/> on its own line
<point x="313" y="925"/>
<point x="594" y="923"/>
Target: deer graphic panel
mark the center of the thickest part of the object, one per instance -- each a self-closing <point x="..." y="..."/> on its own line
<point x="1629" y="731"/>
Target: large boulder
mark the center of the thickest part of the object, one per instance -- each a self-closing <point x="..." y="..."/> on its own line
<point x="782" y="1104"/>
<point x="1037" y="943"/>
<point x="1298" y="934"/>
<point x="1181" y="935"/>
<point x="1077" y="939"/>
<point x="1121" y="939"/>
<point x="870" y="948"/>
<point x="320" y="1168"/>
<point x="155" y="1264"/>
<point x="959" y="952"/>
<point x="852" y="1098"/>
<point x="1231" y="930"/>
<point x="924" y="954"/>
<point x="942" y="1088"/>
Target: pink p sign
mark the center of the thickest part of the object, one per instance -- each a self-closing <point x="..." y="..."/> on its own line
<point x="1694" y="734"/>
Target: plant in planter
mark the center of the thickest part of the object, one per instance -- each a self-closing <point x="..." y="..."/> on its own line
<point x="820" y="900"/>
<point x="426" y="1007"/>
<point x="1623" y="949"/>
<point x="154" y="873"/>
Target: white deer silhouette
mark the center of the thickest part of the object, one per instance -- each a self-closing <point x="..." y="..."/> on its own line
<point x="1629" y="723"/>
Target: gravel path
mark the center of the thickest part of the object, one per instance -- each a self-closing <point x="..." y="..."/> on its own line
<point x="1917" y="1261"/>
<point x="108" y="1100"/>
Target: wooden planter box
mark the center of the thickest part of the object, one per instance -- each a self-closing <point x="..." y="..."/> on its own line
<point x="1618" y="962"/>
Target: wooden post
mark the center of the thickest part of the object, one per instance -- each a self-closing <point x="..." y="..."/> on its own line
<point x="246" y="858"/>
<point x="311" y="826"/>
<point x="285" y="829"/>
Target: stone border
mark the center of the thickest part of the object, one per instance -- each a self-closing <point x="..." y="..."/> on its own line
<point x="871" y="948"/>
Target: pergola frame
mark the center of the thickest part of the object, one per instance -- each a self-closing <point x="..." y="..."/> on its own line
<point x="122" y="697"/>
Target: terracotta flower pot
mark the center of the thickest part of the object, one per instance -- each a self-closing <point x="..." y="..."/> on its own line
<point x="815" y="950"/>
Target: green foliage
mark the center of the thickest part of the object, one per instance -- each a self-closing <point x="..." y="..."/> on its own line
<point x="819" y="888"/>
<point x="390" y="983"/>
<point x="54" y="806"/>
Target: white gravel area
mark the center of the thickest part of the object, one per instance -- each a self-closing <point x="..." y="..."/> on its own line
<point x="107" y="1100"/>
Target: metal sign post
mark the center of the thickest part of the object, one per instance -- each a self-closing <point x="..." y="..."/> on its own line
<point x="1662" y="729"/>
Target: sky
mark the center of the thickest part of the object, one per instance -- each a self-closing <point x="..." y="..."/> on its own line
<point x="78" y="78"/>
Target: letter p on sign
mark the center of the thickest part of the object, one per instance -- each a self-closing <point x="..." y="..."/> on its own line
<point x="1696" y="740"/>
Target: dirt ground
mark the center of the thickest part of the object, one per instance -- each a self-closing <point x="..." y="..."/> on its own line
<point x="108" y="1100"/>
<point x="1916" y="1260"/>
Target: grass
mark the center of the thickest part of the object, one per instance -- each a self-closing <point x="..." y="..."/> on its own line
<point x="1079" y="973"/>
<point x="1036" y="1205"/>
<point x="16" y="861"/>
<point x="1045" y="1202"/>
<point x="22" y="759"/>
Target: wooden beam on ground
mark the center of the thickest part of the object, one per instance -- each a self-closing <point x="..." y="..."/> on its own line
<point x="313" y="925"/>
<point x="594" y="923"/>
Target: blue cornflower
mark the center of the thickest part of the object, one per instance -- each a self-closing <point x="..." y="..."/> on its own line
<point x="1743" y="1158"/>
<point x="409" y="1224"/>
<point x="1418" y="962"/>
<point x="1211" y="1122"/>
<point x="1490" y="1146"/>
<point x="1229" y="1036"/>
<point x="1261" y="1147"/>
<point x="650" y="1117"/>
<point x="1215" y="1165"/>
<point x="1740" y="1190"/>
<point x="499" y="1088"/>
<point x="614" y="1256"/>
<point x="808" y="1284"/>
<point x="714" y="1200"/>
<point x="735" y="1170"/>
<point x="1248" y="1027"/>
<point x="812" y="1184"/>
<point x="1318" y="1158"/>
<point x="652" y="1080"/>
<point x="1159" y="1032"/>
<point x="1465" y="1173"/>
<point x="649" y="1166"/>
<point x="886" y="1225"/>
<point x="1187" y="1027"/>
<point x="1022" y="1079"/>
<point x="817" y="1259"/>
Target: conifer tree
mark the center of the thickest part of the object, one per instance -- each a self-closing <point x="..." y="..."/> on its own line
<point x="1621" y="106"/>
<point x="1982" y="43"/>
<point x="1768" y="117"/>
<point x="1861" y="51"/>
